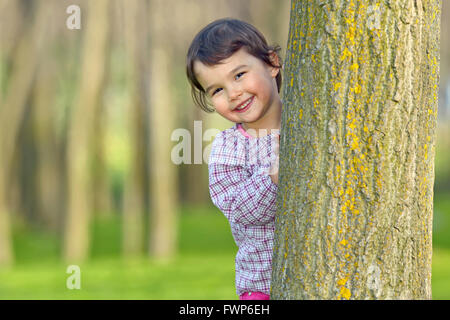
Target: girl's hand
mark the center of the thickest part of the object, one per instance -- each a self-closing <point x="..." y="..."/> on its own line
<point x="274" y="178"/>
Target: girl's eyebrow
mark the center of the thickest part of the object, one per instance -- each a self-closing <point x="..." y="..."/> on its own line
<point x="237" y="68"/>
<point x="231" y="72"/>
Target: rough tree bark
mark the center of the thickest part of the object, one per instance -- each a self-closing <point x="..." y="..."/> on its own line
<point x="355" y="199"/>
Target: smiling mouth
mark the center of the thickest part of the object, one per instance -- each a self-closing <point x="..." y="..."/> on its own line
<point x="245" y="105"/>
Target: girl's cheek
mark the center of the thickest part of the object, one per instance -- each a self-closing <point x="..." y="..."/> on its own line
<point x="220" y="103"/>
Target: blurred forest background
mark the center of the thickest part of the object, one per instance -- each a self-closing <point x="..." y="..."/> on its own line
<point x="87" y="118"/>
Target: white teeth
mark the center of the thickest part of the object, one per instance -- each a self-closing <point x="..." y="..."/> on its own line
<point x="244" y="105"/>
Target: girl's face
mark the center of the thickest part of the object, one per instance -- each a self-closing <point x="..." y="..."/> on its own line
<point x="242" y="89"/>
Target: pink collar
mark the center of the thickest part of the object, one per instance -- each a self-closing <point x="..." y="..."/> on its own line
<point x="242" y="130"/>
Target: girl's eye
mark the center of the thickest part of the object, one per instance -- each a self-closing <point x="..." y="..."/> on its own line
<point x="216" y="91"/>
<point x="240" y="74"/>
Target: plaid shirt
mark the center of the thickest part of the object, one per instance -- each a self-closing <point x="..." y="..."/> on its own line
<point x="241" y="188"/>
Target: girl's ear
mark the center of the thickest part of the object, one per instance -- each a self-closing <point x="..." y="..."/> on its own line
<point x="275" y="62"/>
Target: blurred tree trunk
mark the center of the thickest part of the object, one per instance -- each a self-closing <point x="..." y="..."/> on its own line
<point x="24" y="62"/>
<point x="163" y="183"/>
<point x="272" y="18"/>
<point x="102" y="204"/>
<point x="79" y="147"/>
<point x="135" y="36"/>
<point x="193" y="14"/>
<point x="102" y="199"/>
<point x="196" y="174"/>
<point x="48" y="191"/>
<point x="355" y="197"/>
<point x="12" y="24"/>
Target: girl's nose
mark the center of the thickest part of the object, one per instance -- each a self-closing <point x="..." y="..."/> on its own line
<point x="235" y="92"/>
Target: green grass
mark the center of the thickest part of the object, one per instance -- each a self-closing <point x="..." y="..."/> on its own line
<point x="441" y="220"/>
<point x="440" y="278"/>
<point x="203" y="268"/>
<point x="185" y="277"/>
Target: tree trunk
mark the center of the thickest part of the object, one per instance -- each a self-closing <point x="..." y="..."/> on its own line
<point x="81" y="129"/>
<point x="355" y="199"/>
<point x="163" y="182"/>
<point x="48" y="175"/>
<point x="135" y="36"/>
<point x="102" y="198"/>
<point x="196" y="174"/>
<point x="24" y="63"/>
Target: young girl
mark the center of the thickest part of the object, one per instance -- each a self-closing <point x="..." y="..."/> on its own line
<point x="231" y="67"/>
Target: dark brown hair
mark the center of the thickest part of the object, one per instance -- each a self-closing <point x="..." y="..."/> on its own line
<point x="218" y="41"/>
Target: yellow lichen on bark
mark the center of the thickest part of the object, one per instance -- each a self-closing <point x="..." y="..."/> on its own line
<point x="356" y="169"/>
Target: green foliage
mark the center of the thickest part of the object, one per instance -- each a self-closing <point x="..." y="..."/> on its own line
<point x="32" y="246"/>
<point x="106" y="237"/>
<point x="441" y="220"/>
<point x="442" y="159"/>
<point x="205" y="231"/>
